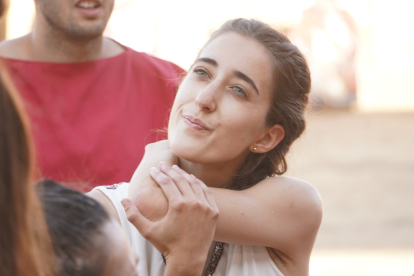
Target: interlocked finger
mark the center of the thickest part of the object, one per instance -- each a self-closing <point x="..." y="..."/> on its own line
<point x="207" y="193"/>
<point x="135" y="217"/>
<point x="195" y="185"/>
<point x="180" y="181"/>
<point x="171" y="191"/>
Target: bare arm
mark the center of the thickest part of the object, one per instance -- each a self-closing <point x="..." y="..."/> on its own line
<point x="280" y="212"/>
<point x="142" y="185"/>
<point x="184" y="233"/>
<point x="187" y="230"/>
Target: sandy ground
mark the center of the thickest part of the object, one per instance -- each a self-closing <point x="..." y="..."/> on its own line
<point x="362" y="263"/>
<point x="363" y="166"/>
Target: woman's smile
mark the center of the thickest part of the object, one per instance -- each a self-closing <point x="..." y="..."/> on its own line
<point x="195" y="123"/>
<point x="221" y="105"/>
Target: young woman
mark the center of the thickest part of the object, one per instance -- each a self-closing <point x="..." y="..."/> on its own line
<point x="235" y="116"/>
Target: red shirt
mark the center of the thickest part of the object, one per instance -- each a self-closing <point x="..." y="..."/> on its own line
<point x="92" y="120"/>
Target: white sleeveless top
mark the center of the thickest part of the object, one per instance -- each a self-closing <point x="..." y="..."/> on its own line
<point x="236" y="260"/>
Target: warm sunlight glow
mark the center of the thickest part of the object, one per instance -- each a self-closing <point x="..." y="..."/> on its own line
<point x="176" y="30"/>
<point x="361" y="53"/>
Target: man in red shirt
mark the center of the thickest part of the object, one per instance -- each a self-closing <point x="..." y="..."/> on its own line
<point x="94" y="104"/>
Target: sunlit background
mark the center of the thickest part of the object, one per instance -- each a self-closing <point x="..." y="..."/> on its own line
<point x="358" y="149"/>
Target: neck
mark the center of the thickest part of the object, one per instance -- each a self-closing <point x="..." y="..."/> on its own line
<point x="213" y="175"/>
<point x="49" y="44"/>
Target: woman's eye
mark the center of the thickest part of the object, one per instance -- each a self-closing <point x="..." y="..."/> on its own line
<point x="201" y="72"/>
<point x="240" y="91"/>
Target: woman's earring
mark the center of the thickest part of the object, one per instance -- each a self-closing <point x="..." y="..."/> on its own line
<point x="254" y="149"/>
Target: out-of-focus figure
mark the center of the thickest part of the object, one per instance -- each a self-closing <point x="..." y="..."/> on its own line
<point x="93" y="103"/>
<point x="328" y="36"/>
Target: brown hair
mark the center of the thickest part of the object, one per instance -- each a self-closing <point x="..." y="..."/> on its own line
<point x="25" y="247"/>
<point x="292" y="82"/>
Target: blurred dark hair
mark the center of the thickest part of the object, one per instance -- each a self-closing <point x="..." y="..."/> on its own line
<point x="291" y="86"/>
<point x="75" y="223"/>
<point x="25" y="247"/>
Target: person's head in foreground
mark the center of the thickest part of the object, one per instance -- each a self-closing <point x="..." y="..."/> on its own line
<point x="87" y="242"/>
<point x="241" y="105"/>
<point x="25" y="247"/>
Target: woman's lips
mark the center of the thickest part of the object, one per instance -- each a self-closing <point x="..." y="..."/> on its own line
<point x="195" y="123"/>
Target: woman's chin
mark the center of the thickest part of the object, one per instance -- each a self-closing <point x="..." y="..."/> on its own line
<point x="185" y="152"/>
<point x="182" y="154"/>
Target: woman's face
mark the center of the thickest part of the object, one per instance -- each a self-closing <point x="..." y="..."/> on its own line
<point x="221" y="106"/>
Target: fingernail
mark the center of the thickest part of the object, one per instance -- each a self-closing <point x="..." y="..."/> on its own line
<point x="154" y="171"/>
<point x="193" y="176"/>
<point x="175" y="167"/>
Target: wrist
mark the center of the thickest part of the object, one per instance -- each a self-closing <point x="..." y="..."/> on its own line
<point x="184" y="266"/>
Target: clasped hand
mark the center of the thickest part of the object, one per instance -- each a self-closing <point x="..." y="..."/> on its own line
<point x="185" y="234"/>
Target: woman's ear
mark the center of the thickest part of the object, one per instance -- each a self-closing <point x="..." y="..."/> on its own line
<point x="269" y="140"/>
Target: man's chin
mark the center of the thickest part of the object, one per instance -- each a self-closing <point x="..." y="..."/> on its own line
<point x="86" y="30"/>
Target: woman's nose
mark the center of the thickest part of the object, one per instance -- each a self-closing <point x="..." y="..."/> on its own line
<point x="206" y="98"/>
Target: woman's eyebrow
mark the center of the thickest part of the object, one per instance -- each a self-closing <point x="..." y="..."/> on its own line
<point x="208" y="60"/>
<point x="247" y="79"/>
<point x="236" y="72"/>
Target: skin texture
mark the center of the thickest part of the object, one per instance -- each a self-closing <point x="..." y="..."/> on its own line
<point x="185" y="233"/>
<point x="280" y="213"/>
<point x="232" y="109"/>
<point x="65" y="16"/>
<point x="64" y="33"/>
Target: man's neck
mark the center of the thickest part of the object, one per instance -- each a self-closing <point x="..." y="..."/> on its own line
<point x="52" y="46"/>
<point x="48" y="45"/>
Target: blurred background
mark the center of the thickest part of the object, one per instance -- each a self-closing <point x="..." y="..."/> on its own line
<point x="358" y="149"/>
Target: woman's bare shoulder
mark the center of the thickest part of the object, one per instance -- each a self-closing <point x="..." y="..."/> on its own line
<point x="297" y="199"/>
<point x="289" y="211"/>
<point x="289" y="188"/>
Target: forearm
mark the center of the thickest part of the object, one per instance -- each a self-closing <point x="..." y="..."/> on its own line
<point x="149" y="199"/>
<point x="281" y="213"/>
<point x="141" y="180"/>
<point x="152" y="203"/>
<point x="143" y="191"/>
<point x="184" y="232"/>
<point x="239" y="211"/>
